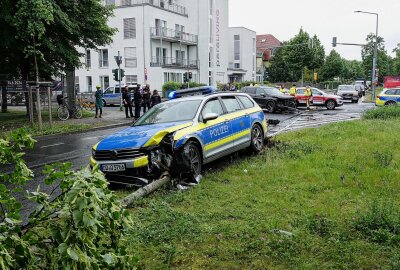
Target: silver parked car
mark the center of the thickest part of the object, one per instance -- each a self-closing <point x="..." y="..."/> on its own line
<point x="348" y="92"/>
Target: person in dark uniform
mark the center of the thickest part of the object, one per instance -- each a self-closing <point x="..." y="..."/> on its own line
<point x="146" y="98"/>
<point x="155" y="98"/>
<point x="127" y="100"/>
<point x="137" y="100"/>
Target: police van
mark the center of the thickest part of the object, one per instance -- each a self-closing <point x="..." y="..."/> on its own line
<point x="112" y="95"/>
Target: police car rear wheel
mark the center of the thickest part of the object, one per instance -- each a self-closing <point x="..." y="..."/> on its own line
<point x="257" y="139"/>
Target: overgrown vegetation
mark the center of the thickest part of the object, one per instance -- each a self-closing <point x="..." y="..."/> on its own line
<point x="80" y="229"/>
<point x="324" y="198"/>
<point x="383" y="113"/>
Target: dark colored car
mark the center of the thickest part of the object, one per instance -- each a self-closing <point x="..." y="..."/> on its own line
<point x="270" y="98"/>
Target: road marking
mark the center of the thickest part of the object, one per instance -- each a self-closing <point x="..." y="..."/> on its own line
<point x="52" y="145"/>
<point x="89" y="138"/>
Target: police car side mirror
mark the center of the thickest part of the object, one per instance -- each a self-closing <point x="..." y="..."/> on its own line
<point x="209" y="117"/>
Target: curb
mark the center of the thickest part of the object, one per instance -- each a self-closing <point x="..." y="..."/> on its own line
<point x="51" y="136"/>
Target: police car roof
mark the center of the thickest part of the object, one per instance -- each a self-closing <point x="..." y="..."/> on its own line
<point x="201" y="97"/>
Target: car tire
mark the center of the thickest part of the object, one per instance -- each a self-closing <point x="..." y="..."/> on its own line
<point x="390" y="103"/>
<point x="270" y="106"/>
<point x="195" y="160"/>
<point x="257" y="139"/>
<point x="330" y="104"/>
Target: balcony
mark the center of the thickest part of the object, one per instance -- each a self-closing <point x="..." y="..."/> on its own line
<point x="236" y="67"/>
<point x="168" y="62"/>
<point x="172" y="35"/>
<point x="162" y="4"/>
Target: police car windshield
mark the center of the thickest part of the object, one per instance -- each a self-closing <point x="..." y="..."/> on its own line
<point x="170" y="112"/>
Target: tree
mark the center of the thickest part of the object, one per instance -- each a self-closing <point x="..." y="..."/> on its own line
<point x="352" y="69"/>
<point x="47" y="34"/>
<point x="278" y="71"/>
<point x="333" y="66"/>
<point x="298" y="55"/>
<point x="367" y="53"/>
<point x="396" y="60"/>
<point x="318" y="54"/>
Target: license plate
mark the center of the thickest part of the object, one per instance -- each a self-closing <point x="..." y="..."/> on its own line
<point x="113" y="168"/>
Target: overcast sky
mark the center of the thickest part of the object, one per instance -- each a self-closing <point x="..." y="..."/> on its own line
<point x="325" y="18"/>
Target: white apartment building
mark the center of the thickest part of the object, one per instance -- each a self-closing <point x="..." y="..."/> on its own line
<point x="242" y="54"/>
<point x="160" y="40"/>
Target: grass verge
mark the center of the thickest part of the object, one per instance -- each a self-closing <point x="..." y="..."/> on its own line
<point x="14" y="119"/>
<point x="384" y="113"/>
<point x="324" y="198"/>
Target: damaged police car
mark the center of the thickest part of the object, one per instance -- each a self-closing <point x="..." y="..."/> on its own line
<point x="180" y="136"/>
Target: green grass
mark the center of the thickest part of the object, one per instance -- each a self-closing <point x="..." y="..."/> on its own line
<point x="14" y="119"/>
<point x="324" y="198"/>
<point x="384" y="113"/>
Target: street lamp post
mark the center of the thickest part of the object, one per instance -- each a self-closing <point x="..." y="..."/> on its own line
<point x="375" y="57"/>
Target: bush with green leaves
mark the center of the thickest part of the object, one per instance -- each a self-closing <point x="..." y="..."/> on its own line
<point x="82" y="228"/>
<point x="383" y="113"/>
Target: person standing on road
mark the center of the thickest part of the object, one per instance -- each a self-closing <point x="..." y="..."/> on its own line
<point x="99" y="101"/>
<point x="308" y="95"/>
<point x="137" y="99"/>
<point x="146" y="98"/>
<point x="293" y="90"/>
<point x="155" y="98"/>
<point x="282" y="89"/>
<point x="127" y="99"/>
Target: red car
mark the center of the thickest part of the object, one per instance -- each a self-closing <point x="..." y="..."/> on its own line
<point x="319" y="98"/>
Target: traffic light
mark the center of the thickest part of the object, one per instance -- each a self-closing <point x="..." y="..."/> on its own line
<point x="122" y="74"/>
<point x="190" y="75"/>
<point x="115" y="72"/>
<point x="334" y="41"/>
<point x="185" y="77"/>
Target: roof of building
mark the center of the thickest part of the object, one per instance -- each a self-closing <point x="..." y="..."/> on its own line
<point x="266" y="42"/>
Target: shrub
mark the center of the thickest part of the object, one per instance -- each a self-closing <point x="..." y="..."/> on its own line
<point x="80" y="229"/>
<point x="383" y="113"/>
<point x="170" y="86"/>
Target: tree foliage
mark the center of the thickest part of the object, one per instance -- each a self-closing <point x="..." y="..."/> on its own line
<point x="279" y="70"/>
<point x="352" y="69"/>
<point x="80" y="229"/>
<point x="396" y="60"/>
<point x="53" y="30"/>
<point x="333" y="66"/>
<point x="383" y="60"/>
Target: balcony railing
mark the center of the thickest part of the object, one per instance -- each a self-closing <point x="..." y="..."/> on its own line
<point x="174" y="63"/>
<point x="156" y="3"/>
<point x="171" y="34"/>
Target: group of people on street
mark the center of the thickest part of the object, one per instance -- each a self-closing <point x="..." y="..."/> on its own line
<point x="293" y="92"/>
<point x="141" y="98"/>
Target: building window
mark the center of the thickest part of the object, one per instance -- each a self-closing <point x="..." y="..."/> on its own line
<point x="110" y="2"/>
<point x="89" y="83"/>
<point x="237" y="65"/>
<point x="126" y="2"/>
<point x="129" y="28"/>
<point x="237" y="47"/>
<point x="130" y="79"/>
<point x="254" y="45"/>
<point x="77" y="84"/>
<point x="88" y="60"/>
<point x="130" y="57"/>
<point x="103" y="58"/>
<point x="104" y="82"/>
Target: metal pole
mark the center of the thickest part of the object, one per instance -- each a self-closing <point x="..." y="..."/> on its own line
<point x="50" y="111"/>
<point x="375" y="60"/>
<point x="39" y="110"/>
<point x="30" y="101"/>
<point x="119" y="81"/>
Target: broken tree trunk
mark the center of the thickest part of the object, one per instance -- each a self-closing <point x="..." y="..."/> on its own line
<point x="141" y="192"/>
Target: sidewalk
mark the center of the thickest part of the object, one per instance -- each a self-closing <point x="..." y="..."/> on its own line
<point x="111" y="116"/>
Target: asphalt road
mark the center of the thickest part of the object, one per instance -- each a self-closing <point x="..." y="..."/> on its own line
<point x="76" y="148"/>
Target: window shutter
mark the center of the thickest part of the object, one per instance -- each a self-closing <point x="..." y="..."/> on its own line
<point x="129" y="28"/>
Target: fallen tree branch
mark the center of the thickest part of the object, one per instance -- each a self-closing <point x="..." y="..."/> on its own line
<point x="141" y="192"/>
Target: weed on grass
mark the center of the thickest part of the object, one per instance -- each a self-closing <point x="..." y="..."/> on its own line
<point x="380" y="223"/>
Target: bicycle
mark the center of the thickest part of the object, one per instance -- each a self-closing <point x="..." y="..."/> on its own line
<point x="64" y="113"/>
